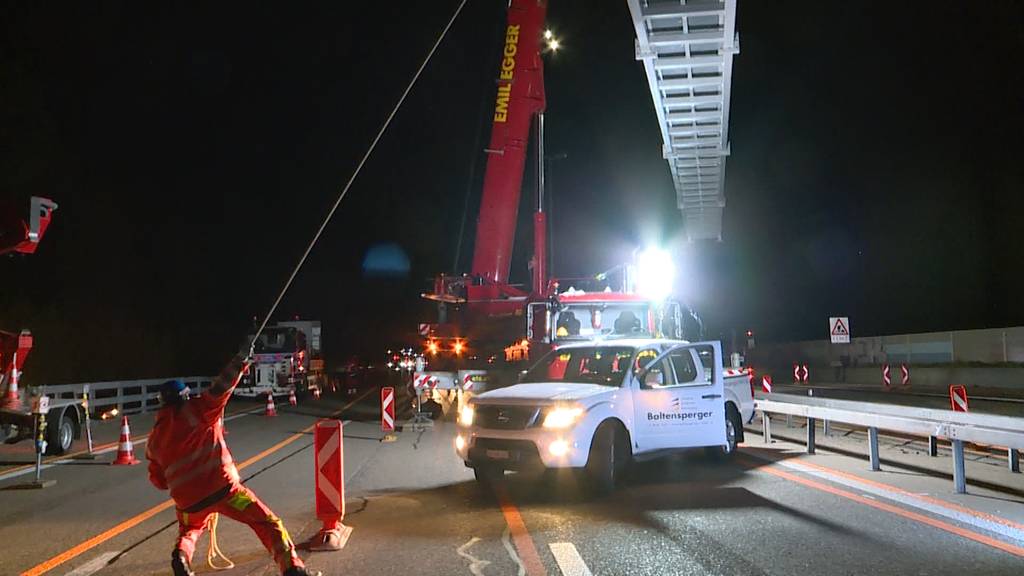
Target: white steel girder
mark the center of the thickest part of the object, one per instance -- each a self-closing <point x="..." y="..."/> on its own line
<point x="686" y="47"/>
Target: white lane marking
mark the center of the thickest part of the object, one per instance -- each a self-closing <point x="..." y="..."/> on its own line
<point x="109" y="449"/>
<point x="93" y="566"/>
<point x="476" y="565"/>
<point x="910" y="500"/>
<point x="506" y="541"/>
<point x="569" y="560"/>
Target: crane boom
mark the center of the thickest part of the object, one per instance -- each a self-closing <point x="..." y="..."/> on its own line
<point x="520" y="97"/>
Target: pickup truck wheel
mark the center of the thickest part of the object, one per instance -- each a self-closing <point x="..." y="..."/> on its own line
<point x="733" y="425"/>
<point x="60" y="434"/>
<point x="609" y="455"/>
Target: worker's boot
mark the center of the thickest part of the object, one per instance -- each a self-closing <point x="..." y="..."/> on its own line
<point x="296" y="571"/>
<point x="179" y="564"/>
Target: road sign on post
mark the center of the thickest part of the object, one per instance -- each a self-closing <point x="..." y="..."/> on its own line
<point x="958" y="397"/>
<point x="839" y="329"/>
<point x="904" y="375"/>
<point x="886" y="376"/>
<point x="766" y="384"/>
<point x="387" y="409"/>
<point x="330" y="486"/>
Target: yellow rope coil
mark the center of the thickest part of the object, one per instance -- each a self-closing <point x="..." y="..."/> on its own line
<point x="214" y="551"/>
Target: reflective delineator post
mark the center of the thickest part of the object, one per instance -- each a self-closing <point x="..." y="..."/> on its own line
<point x="387" y="413"/>
<point x="330" y="487"/>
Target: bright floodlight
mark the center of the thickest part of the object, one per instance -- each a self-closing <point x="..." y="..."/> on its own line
<point x="655" y="274"/>
<point x="548" y="34"/>
<point x="553" y="44"/>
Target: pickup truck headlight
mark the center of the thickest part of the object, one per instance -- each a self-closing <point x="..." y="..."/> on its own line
<point x="559" y="418"/>
<point x="466" y="415"/>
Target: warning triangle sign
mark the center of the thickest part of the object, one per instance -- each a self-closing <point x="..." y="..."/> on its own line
<point x="839" y="329"/>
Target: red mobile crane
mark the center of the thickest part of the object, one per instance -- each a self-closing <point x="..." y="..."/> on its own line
<point x="480" y="314"/>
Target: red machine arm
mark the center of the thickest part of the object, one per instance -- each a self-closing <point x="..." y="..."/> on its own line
<point x="520" y="97"/>
<point x="17" y="235"/>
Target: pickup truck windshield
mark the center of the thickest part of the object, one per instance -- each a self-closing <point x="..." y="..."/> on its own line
<point x="590" y="365"/>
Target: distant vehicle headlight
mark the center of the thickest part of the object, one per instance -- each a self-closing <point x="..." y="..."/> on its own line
<point x="466" y="415"/>
<point x="562" y="417"/>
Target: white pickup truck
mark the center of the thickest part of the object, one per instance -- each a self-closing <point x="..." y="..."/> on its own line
<point x="596" y="406"/>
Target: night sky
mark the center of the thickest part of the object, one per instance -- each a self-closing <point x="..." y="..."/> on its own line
<point x="876" y="169"/>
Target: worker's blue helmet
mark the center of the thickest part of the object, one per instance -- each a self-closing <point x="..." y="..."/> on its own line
<point x="173" y="391"/>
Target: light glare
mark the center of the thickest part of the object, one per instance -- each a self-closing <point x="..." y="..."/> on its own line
<point x="655" y="274"/>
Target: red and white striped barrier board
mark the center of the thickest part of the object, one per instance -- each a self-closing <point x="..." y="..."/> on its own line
<point x="766" y="384"/>
<point x="958" y="397"/>
<point x="730" y="372"/>
<point x="330" y="472"/>
<point x="796" y="373"/>
<point x="467" y="382"/>
<point x="904" y="375"/>
<point x="387" y="409"/>
<point x="424" y="381"/>
<point x="886" y="376"/>
<point x="805" y="374"/>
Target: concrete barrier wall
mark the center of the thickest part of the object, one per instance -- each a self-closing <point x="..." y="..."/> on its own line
<point x="990" y="346"/>
<point x="987" y="361"/>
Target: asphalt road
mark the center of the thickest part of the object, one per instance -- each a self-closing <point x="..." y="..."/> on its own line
<point x="415" y="509"/>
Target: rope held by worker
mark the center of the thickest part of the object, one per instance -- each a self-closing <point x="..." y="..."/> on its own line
<point x="359" y="167"/>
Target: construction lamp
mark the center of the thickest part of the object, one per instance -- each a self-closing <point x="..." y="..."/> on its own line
<point x="458" y="347"/>
<point x="563" y="417"/>
<point x="655" y="274"/>
<point x="432" y="347"/>
<point x="466" y="415"/>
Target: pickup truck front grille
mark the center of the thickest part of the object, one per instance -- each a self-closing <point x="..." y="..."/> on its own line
<point x="506" y="417"/>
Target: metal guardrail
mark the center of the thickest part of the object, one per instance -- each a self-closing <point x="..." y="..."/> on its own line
<point x="128" y="396"/>
<point x="957" y="427"/>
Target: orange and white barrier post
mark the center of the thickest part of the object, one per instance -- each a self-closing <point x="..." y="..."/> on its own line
<point x="766" y="384"/>
<point x="125" y="450"/>
<point x="328" y="440"/>
<point x="958" y="397"/>
<point x="387" y="409"/>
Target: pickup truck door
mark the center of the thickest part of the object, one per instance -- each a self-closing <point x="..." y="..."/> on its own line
<point x="678" y="397"/>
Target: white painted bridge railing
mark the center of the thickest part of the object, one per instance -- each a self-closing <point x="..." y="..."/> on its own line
<point x="128" y="396"/>
<point x="957" y="427"/>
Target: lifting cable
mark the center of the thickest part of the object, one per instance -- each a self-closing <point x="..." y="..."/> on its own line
<point x="351" y="179"/>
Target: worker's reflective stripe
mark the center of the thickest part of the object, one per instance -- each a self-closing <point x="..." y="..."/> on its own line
<point x="240" y="501"/>
<point x="225" y="460"/>
<point x="174" y="468"/>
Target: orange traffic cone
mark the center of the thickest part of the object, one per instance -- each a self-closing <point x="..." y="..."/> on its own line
<point x="271" y="411"/>
<point x="316" y="393"/>
<point x="125" y="451"/>
<point x="291" y="397"/>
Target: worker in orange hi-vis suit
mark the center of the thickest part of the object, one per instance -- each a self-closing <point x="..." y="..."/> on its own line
<point x="188" y="455"/>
